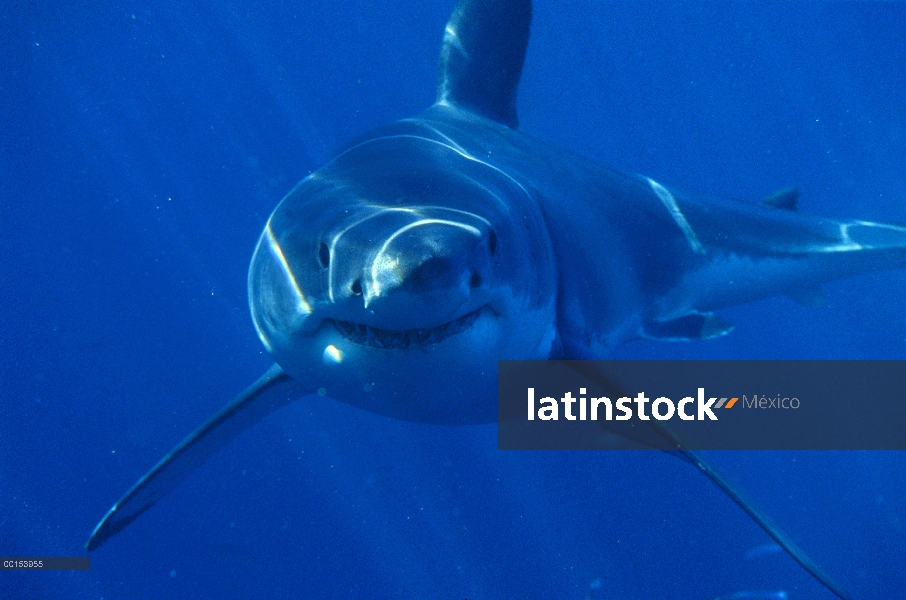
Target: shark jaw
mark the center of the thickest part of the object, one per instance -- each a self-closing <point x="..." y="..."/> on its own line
<point x="372" y="366"/>
<point x="366" y="335"/>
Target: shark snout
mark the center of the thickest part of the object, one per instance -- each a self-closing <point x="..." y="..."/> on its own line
<point x="428" y="265"/>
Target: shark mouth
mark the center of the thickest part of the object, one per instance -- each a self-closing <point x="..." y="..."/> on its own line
<point x="366" y="335"/>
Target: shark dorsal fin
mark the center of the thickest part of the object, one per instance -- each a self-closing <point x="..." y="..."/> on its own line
<point x="785" y="199"/>
<point x="481" y="57"/>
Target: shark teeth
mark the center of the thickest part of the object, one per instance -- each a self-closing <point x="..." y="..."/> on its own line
<point x="366" y="335"/>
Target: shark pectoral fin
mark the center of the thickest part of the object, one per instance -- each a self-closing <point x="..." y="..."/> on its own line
<point x="811" y="297"/>
<point x="762" y="519"/>
<point x="482" y="55"/>
<point x="785" y="199"/>
<point x="273" y="390"/>
<point x="693" y="326"/>
<point x="656" y="434"/>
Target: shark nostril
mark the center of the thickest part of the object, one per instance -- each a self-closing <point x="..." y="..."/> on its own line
<point x="356" y="288"/>
<point x="475" y="280"/>
<point x="492" y="242"/>
<point x="324" y="255"/>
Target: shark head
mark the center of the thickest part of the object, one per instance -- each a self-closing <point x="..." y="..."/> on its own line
<point x="400" y="270"/>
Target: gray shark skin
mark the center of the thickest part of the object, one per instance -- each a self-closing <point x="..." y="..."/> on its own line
<point x="394" y="277"/>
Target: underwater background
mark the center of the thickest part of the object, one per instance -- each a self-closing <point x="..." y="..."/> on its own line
<point x="144" y="145"/>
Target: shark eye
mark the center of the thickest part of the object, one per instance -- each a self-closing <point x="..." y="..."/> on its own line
<point x="492" y="242"/>
<point x="324" y="255"/>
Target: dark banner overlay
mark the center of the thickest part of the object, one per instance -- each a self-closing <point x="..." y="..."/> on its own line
<point x="702" y="405"/>
<point x="45" y="563"/>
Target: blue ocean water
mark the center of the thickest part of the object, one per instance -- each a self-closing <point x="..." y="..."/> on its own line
<point x="145" y="144"/>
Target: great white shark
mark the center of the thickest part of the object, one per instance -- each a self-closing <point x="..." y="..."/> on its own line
<point x="397" y="275"/>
